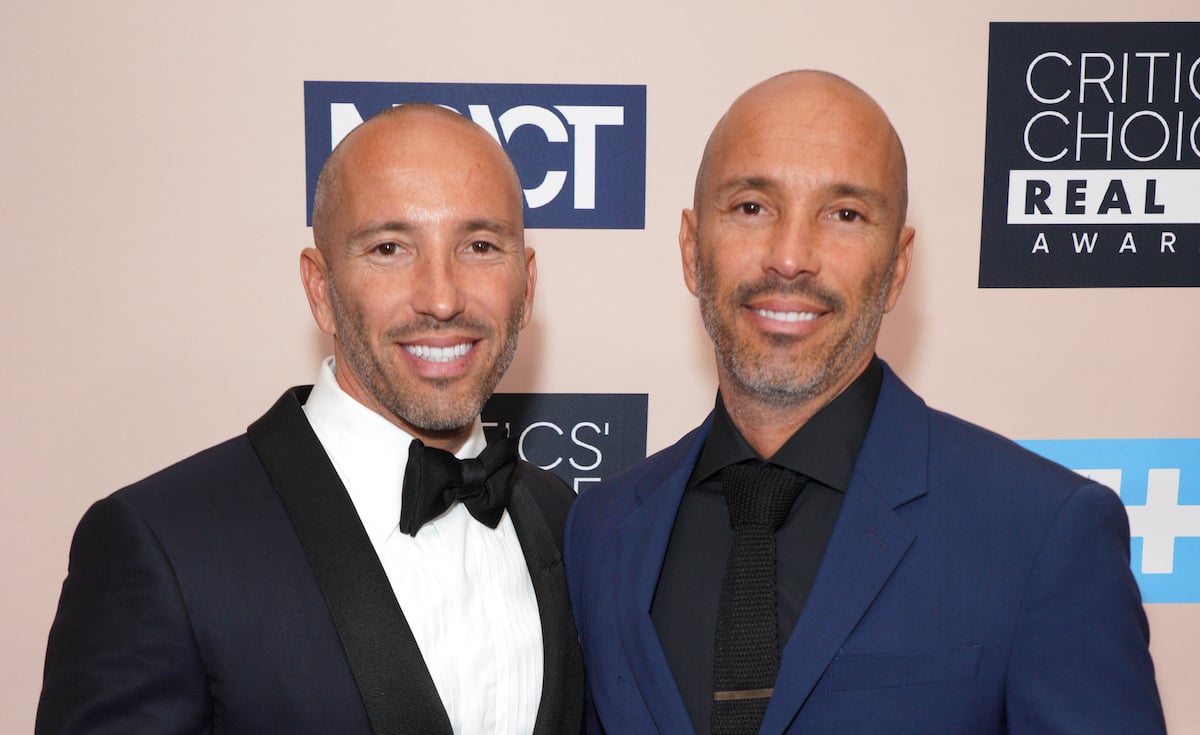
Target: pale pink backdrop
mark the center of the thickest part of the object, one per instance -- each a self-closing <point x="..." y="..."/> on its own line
<point x="152" y="212"/>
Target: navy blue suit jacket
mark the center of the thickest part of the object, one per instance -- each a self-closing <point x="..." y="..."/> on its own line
<point x="191" y="605"/>
<point x="969" y="587"/>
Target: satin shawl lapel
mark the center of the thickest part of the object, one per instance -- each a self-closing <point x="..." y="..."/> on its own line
<point x="561" y="707"/>
<point x="869" y="540"/>
<point x="397" y="691"/>
<point x="641" y="546"/>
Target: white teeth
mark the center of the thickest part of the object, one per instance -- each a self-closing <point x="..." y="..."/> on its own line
<point x="787" y="316"/>
<point x="438" y="354"/>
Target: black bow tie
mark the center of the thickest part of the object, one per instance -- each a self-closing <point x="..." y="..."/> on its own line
<point x="434" y="479"/>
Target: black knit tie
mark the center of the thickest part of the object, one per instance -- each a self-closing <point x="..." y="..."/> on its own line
<point x="746" y="651"/>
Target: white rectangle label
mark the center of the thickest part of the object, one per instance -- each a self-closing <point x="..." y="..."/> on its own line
<point x="1101" y="197"/>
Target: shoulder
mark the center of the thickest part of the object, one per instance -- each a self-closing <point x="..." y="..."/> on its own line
<point x="958" y="447"/>
<point x="949" y="452"/>
<point x="979" y="480"/>
<point x="219" y="473"/>
<point x="228" y="476"/>
<point x="223" y="497"/>
<point x="213" y="506"/>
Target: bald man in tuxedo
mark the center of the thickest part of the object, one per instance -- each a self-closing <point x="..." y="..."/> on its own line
<point x="282" y="582"/>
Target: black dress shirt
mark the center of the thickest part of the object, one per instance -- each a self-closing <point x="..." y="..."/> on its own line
<point x="684" y="610"/>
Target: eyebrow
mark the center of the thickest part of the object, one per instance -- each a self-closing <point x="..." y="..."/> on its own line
<point x="744" y="182"/>
<point x="500" y="227"/>
<point x="374" y="228"/>
<point x="867" y="194"/>
<point x="871" y="196"/>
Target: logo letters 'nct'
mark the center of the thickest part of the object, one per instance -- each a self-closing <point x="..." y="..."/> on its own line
<point x="580" y="150"/>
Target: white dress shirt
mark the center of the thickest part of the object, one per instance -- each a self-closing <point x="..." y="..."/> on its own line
<point x="464" y="588"/>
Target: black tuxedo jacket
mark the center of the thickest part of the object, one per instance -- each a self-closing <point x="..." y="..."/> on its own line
<point x="237" y="593"/>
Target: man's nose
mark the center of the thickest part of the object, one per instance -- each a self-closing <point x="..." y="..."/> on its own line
<point x="437" y="291"/>
<point x="793" y="250"/>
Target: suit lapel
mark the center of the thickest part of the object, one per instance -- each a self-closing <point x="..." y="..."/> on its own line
<point x="869" y="540"/>
<point x="642" y="545"/>
<point x="560" y="709"/>
<point x="397" y="691"/>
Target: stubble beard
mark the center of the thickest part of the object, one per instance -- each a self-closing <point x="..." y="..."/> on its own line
<point x="431" y="406"/>
<point x="758" y="372"/>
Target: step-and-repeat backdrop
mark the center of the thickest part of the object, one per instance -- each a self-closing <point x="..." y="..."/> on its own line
<point x="159" y="165"/>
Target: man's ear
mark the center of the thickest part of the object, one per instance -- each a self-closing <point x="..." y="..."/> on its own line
<point x="904" y="252"/>
<point x="530" y="283"/>
<point x="314" y="274"/>
<point x="687" y="247"/>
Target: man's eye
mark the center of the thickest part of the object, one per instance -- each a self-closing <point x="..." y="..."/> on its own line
<point x="848" y="215"/>
<point x="482" y="246"/>
<point x="751" y="208"/>
<point x="387" y="248"/>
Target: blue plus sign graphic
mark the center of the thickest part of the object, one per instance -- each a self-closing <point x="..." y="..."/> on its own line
<point x="1159" y="482"/>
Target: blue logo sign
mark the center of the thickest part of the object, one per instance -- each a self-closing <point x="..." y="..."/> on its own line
<point x="1092" y="156"/>
<point x="581" y="437"/>
<point x="1159" y="482"/>
<point x="579" y="150"/>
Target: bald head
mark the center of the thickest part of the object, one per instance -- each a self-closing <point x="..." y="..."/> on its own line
<point x="807" y="103"/>
<point x="419" y="127"/>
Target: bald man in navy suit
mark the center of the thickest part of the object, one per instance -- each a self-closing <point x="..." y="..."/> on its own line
<point x="930" y="576"/>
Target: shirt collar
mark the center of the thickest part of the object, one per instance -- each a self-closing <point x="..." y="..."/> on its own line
<point x="824" y="449"/>
<point x="369" y="452"/>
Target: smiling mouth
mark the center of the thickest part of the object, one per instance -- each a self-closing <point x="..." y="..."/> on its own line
<point x="439" y="354"/>
<point x="787" y="316"/>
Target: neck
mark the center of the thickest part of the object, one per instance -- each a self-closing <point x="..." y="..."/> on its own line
<point x="764" y="423"/>
<point x="765" y="427"/>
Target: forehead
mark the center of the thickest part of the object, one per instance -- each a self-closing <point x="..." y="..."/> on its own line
<point x="427" y="166"/>
<point x="814" y="140"/>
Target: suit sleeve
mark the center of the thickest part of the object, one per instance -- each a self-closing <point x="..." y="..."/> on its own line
<point x="1080" y="661"/>
<point x="121" y="656"/>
